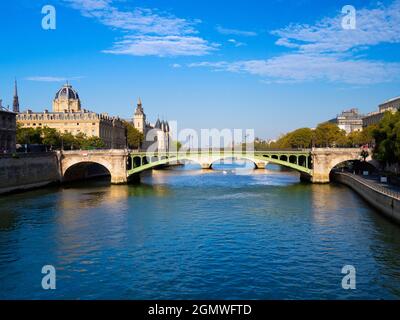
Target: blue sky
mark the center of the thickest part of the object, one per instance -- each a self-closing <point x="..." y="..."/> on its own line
<point x="271" y="66"/>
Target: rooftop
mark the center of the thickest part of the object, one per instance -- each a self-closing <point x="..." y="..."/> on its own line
<point x="391" y="100"/>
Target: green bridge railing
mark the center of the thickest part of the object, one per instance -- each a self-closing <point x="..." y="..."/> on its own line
<point x="299" y="160"/>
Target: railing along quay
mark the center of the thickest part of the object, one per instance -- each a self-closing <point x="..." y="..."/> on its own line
<point x="373" y="185"/>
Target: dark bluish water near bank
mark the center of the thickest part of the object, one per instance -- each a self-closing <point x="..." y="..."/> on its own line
<point x="190" y="234"/>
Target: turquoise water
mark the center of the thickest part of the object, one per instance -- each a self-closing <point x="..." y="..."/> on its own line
<point x="192" y="234"/>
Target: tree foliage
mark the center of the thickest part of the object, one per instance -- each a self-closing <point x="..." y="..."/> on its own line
<point x="56" y="140"/>
<point x="134" y="136"/>
<point x="329" y="135"/>
<point x="387" y="139"/>
<point x="325" y="135"/>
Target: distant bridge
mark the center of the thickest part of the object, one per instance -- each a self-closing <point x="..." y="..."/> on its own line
<point x="314" y="165"/>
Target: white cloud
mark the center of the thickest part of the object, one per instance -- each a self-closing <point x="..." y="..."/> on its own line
<point x="149" y="32"/>
<point x="312" y="67"/>
<point x="374" y="26"/>
<point x="236" y="43"/>
<point x="162" y="46"/>
<point x="326" y="52"/>
<point x="235" y="32"/>
<point x="176" y="65"/>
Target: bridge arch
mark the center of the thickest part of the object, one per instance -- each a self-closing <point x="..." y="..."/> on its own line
<point x="337" y="161"/>
<point x="113" y="162"/>
<point x="325" y="160"/>
<point x="245" y="158"/>
<point x="86" y="170"/>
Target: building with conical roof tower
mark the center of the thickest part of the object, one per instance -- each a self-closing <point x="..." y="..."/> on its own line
<point x="158" y="133"/>
<point x="139" y="118"/>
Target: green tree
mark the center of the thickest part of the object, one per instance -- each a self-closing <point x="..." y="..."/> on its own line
<point x="361" y="138"/>
<point x="300" y="138"/>
<point x="94" y="143"/>
<point x="387" y="139"/>
<point x="134" y="136"/>
<point x="50" y="137"/>
<point x="329" y="135"/>
<point x="68" y="141"/>
<point x="80" y="140"/>
<point x="28" y="135"/>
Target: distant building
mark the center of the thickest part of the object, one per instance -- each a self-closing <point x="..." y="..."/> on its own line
<point x="372" y="118"/>
<point x="69" y="117"/>
<point x="154" y="135"/>
<point x="390" y="105"/>
<point x="8" y="129"/>
<point x="349" y="120"/>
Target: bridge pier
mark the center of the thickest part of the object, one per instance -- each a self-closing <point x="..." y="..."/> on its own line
<point x="261" y="165"/>
<point x="325" y="159"/>
<point x="119" y="179"/>
<point x="321" y="177"/>
<point x="205" y="165"/>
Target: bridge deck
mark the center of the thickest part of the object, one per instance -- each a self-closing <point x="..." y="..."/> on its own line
<point x="296" y="159"/>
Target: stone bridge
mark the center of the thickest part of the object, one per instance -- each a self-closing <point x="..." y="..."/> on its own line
<point x="314" y="165"/>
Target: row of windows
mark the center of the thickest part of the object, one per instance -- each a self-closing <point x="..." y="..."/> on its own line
<point x="65" y="124"/>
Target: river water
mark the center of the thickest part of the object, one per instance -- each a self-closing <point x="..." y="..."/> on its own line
<point x="192" y="234"/>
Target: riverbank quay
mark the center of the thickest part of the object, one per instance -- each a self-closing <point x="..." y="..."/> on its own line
<point x="26" y="171"/>
<point x="385" y="200"/>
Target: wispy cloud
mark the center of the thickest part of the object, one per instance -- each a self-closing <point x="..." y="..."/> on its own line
<point x="162" y="46"/>
<point x="51" y="78"/>
<point x="326" y="52"/>
<point x="236" y="43"/>
<point x="235" y="32"/>
<point x="297" y="67"/>
<point x="148" y="32"/>
<point x="374" y="26"/>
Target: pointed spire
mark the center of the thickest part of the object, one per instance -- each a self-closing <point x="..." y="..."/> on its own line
<point x="139" y="108"/>
<point x="158" y="123"/>
<point x="15" y="100"/>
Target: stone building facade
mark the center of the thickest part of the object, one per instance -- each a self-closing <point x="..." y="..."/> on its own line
<point x="7" y="130"/>
<point x="157" y="137"/>
<point x="391" y="105"/>
<point x="69" y="117"/>
<point x="349" y="120"/>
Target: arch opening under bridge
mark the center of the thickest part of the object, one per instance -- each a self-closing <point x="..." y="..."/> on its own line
<point x="86" y="171"/>
<point x="142" y="162"/>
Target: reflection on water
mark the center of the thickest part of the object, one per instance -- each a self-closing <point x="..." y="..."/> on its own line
<point x="232" y="233"/>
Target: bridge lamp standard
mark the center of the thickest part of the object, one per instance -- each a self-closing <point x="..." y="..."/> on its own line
<point x="245" y="141"/>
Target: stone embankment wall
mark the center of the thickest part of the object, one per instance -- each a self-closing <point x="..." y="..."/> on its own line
<point x="27" y="171"/>
<point x="387" y="202"/>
